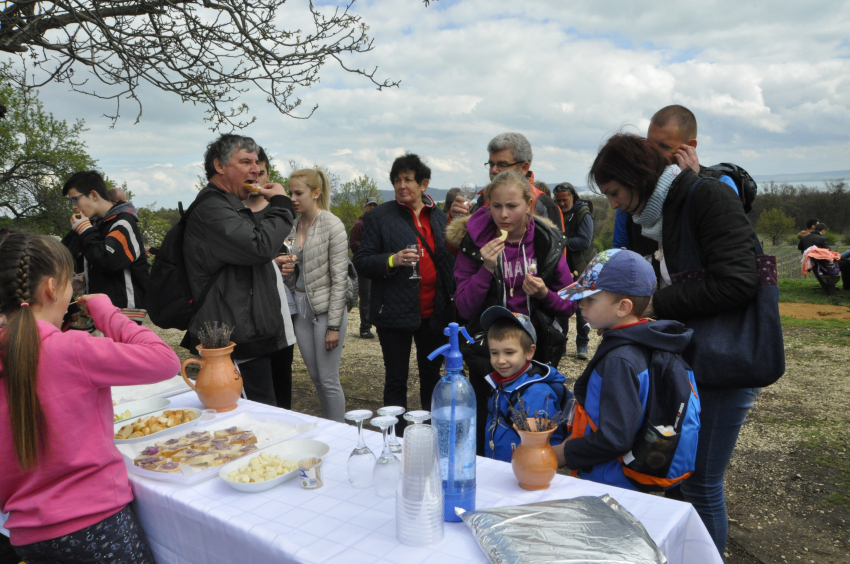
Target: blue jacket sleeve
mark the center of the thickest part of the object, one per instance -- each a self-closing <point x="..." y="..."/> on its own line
<point x="621" y="234"/>
<point x="620" y="415"/>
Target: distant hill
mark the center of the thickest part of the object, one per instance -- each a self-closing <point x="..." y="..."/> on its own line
<point x="803" y="176"/>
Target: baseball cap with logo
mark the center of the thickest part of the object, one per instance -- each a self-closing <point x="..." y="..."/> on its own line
<point x="499" y="312"/>
<point x="615" y="270"/>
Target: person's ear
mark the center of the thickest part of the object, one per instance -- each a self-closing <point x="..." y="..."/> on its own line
<point x="525" y="167"/>
<point x="219" y="168"/>
<point x="50" y="289"/>
<point x="529" y="354"/>
<point x="625" y="308"/>
<point x="425" y="184"/>
<point x="692" y="143"/>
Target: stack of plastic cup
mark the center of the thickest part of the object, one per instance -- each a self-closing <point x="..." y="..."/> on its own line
<point x="419" y="498"/>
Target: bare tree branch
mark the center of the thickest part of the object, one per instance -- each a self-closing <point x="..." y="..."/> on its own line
<point x="208" y="52"/>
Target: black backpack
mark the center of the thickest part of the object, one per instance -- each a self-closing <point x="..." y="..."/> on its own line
<point x="747" y="187"/>
<point x="169" y="299"/>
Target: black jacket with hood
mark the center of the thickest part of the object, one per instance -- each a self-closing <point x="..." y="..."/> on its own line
<point x="223" y="239"/>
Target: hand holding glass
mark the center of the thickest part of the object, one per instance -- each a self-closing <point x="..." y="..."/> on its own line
<point x="415" y="263"/>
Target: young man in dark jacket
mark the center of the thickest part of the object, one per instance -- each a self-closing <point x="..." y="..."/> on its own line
<point x="224" y="245"/>
<point x="111" y="243"/>
<point x="364" y="284"/>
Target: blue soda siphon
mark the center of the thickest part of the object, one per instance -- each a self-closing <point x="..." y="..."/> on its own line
<point x="453" y="411"/>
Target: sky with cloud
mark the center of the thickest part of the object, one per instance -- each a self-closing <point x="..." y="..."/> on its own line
<point x="769" y="83"/>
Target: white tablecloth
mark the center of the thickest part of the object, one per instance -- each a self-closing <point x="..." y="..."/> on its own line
<point x="212" y="522"/>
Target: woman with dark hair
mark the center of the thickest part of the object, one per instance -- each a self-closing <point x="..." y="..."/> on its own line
<point x="406" y="309"/>
<point x="636" y="178"/>
<point x="578" y="227"/>
<point x="511" y="258"/>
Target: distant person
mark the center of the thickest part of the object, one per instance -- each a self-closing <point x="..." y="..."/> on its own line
<point x="451" y="196"/>
<point x="111" y="244"/>
<point x="62" y="480"/>
<point x="116" y="195"/>
<point x="365" y="285"/>
<point x="578" y="227"/>
<point x="227" y="247"/>
<point x="543" y="187"/>
<point x="405" y="310"/>
<point x="817" y="238"/>
<point x="516" y="376"/>
<point x="810" y="224"/>
<point x="512" y="151"/>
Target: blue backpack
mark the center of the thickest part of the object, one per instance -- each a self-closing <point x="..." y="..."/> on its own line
<point x="659" y="460"/>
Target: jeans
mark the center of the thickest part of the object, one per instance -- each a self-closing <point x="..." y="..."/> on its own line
<point x="395" y="346"/>
<point x="365" y="290"/>
<point x="322" y="364"/>
<point x="257" y="379"/>
<point x="723" y="413"/>
<point x="582" y="329"/>
<point x="845" y="255"/>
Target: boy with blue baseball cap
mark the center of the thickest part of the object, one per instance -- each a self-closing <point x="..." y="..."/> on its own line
<point x="513" y="340"/>
<point x="637" y="417"/>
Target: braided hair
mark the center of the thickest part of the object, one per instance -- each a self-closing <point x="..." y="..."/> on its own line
<point x="26" y="262"/>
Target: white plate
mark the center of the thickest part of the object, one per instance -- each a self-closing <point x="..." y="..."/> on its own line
<point x="168" y="388"/>
<point x="271" y="427"/>
<point x="141" y="407"/>
<point x="294" y="450"/>
<point x="177" y="429"/>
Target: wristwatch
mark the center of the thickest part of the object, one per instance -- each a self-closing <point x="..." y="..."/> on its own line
<point x="329" y="328"/>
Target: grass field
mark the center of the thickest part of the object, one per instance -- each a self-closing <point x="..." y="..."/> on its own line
<point x="808" y="291"/>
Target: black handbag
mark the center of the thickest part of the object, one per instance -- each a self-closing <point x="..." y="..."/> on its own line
<point x="742" y="347"/>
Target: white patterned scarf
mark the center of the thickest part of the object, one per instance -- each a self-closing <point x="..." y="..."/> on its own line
<point x="650" y="219"/>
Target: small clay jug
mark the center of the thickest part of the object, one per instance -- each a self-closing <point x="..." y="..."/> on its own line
<point x="534" y="461"/>
<point x="219" y="384"/>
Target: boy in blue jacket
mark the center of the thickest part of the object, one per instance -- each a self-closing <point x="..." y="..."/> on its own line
<point x="512" y="341"/>
<point x="612" y="393"/>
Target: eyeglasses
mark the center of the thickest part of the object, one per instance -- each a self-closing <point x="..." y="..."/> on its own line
<point x="73" y="199"/>
<point x="502" y="165"/>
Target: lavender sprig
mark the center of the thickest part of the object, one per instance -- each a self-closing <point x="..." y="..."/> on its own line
<point x="214" y="336"/>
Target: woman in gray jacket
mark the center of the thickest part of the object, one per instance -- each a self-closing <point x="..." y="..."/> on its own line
<point x="319" y="282"/>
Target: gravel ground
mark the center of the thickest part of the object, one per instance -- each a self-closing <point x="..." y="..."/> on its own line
<point x="788" y="485"/>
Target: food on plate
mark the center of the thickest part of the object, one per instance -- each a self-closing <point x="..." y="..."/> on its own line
<point x="252" y="187"/>
<point x="504" y="235"/>
<point x="229" y="432"/>
<point x="120" y="416"/>
<point x="145" y="426"/>
<point x="262" y="468"/>
<point x="198" y="449"/>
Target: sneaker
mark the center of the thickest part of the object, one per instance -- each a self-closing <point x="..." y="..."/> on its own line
<point x="581" y="353"/>
<point x="367" y="335"/>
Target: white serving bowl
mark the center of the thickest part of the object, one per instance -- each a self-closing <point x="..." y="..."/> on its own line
<point x="182" y="428"/>
<point x="141" y="407"/>
<point x="293" y="450"/>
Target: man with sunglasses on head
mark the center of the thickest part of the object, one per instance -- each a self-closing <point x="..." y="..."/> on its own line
<point x="512" y="151"/>
<point x="111" y="243"/>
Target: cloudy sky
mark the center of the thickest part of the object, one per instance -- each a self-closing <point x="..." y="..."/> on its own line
<point x="768" y="81"/>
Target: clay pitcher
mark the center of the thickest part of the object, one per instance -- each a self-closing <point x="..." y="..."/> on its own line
<point x="534" y="461"/>
<point x="219" y="384"/>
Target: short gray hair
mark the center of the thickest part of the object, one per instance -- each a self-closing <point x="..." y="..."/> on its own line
<point x="516" y="142"/>
<point x="223" y="148"/>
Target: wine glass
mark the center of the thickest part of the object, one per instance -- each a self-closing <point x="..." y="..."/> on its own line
<point x="288" y="242"/>
<point x="387" y="469"/>
<point x="415" y="263"/>
<point x="361" y="463"/>
<point x="395" y="411"/>
<point x="469" y="190"/>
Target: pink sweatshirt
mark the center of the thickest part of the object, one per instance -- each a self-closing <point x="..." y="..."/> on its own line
<point x="79" y="478"/>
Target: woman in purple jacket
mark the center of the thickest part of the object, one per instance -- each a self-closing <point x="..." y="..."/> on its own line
<point x="511" y="258"/>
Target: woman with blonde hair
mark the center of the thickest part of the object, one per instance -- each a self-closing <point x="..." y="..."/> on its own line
<point x="318" y="279"/>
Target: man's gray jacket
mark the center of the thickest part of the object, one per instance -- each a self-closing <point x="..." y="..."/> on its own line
<point x="222" y="239"/>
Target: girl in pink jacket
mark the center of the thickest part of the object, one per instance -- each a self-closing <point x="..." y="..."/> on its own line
<point x="62" y="481"/>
